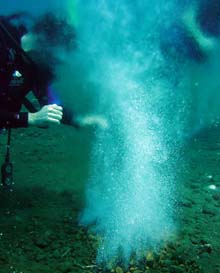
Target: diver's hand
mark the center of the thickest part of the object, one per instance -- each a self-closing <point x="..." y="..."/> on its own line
<point x="48" y="114"/>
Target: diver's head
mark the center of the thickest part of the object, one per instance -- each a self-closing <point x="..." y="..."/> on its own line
<point x="49" y="37"/>
<point x="47" y="31"/>
<point x="50" y="31"/>
<point x="12" y="29"/>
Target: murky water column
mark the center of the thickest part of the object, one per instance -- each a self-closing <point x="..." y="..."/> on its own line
<point x="129" y="196"/>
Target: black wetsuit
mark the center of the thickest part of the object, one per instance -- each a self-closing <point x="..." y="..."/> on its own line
<point x="16" y="80"/>
<point x="18" y="76"/>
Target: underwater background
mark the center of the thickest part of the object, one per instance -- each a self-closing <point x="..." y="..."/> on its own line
<point x="142" y="195"/>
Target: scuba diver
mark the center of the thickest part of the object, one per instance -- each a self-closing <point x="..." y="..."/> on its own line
<point x="22" y="72"/>
<point x="16" y="79"/>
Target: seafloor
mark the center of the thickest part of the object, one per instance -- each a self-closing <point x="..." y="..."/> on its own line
<point x="39" y="231"/>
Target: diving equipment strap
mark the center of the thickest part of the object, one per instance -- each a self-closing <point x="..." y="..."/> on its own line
<point x="7" y="167"/>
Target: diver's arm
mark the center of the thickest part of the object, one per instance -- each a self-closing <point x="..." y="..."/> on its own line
<point x="13" y="120"/>
<point x="48" y="114"/>
<point x="45" y="95"/>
